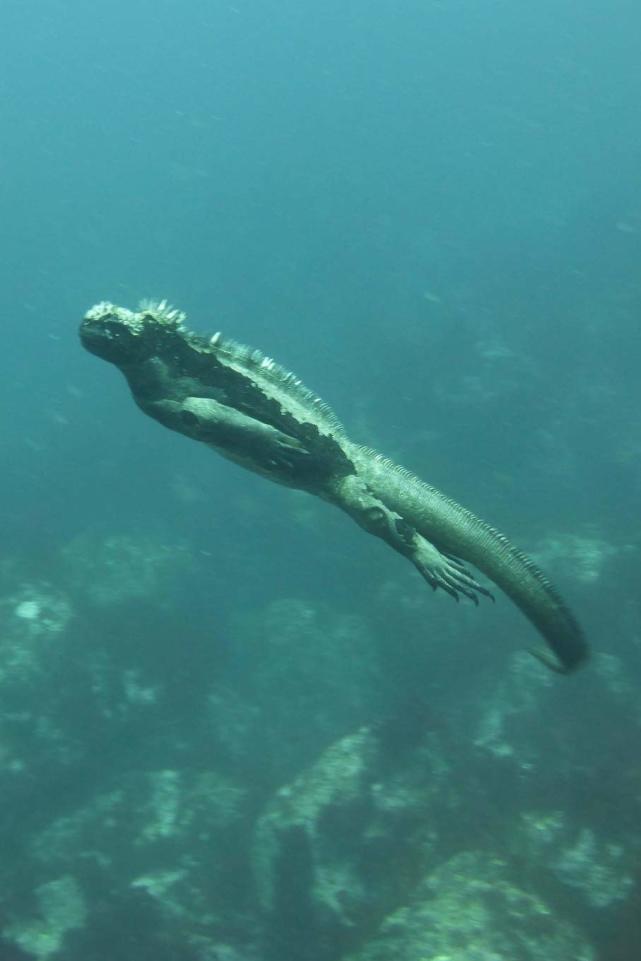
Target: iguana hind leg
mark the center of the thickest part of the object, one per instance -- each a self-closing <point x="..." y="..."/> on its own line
<point x="438" y="569"/>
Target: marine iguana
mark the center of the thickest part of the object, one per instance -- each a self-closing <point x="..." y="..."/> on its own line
<point x="251" y="410"/>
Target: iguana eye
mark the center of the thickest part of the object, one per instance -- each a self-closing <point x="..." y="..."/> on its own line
<point x="189" y="419"/>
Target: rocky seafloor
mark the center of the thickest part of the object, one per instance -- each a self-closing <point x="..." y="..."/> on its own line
<point x="297" y="784"/>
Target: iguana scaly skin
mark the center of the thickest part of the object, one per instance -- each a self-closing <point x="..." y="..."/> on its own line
<point x="251" y="410"/>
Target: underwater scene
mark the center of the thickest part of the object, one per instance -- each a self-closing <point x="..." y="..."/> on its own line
<point x="234" y="724"/>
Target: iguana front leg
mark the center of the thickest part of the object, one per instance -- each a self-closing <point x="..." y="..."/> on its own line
<point x="222" y="426"/>
<point x="353" y="496"/>
<point x="237" y="436"/>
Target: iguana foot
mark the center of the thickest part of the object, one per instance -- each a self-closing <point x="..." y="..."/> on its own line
<point x="445" y="571"/>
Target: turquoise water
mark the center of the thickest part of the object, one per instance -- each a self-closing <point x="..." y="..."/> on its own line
<point x="232" y="726"/>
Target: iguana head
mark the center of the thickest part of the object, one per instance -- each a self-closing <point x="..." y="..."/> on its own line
<point x="123" y="337"/>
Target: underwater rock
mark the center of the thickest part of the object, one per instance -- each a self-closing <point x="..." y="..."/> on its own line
<point x="307" y="674"/>
<point x="165" y="847"/>
<point x="582" y="557"/>
<point x="470" y="909"/>
<point x="337" y="782"/>
<point x="31" y="620"/>
<point x="105" y="571"/>
<point x="599" y="871"/>
<point x="35" y="621"/>
<point x="156" y="810"/>
<point x="503" y="726"/>
<point x="596" y="868"/>
<point x="62" y="908"/>
<point x="334" y="848"/>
